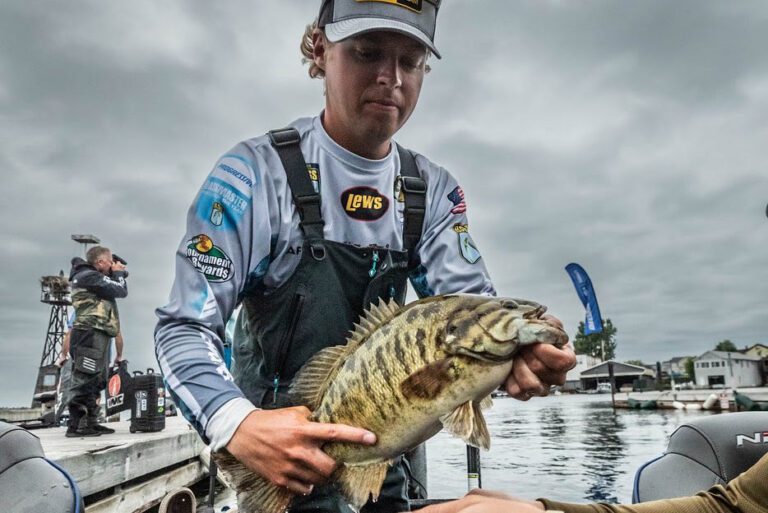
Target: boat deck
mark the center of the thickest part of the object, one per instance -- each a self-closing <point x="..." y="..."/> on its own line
<point x="126" y="472"/>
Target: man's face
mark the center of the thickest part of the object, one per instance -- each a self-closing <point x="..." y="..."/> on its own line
<point x="104" y="263"/>
<point x="372" y="82"/>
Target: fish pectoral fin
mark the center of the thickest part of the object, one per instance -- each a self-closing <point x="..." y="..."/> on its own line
<point x="486" y="402"/>
<point x="467" y="422"/>
<point x="428" y="381"/>
<point x="480" y="436"/>
<point x="359" y="482"/>
<point x="254" y="493"/>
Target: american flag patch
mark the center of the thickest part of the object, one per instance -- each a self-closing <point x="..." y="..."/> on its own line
<point x="457" y="198"/>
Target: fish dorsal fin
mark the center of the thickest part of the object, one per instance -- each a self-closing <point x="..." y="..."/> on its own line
<point x="371" y="319"/>
<point x="312" y="380"/>
<point x="467" y="422"/>
<point x="254" y="493"/>
<point x="359" y="482"/>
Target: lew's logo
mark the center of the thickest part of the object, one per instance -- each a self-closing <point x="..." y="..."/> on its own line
<point x="758" y="438"/>
<point x="209" y="259"/>
<point x="364" y="203"/>
<point x="414" y="5"/>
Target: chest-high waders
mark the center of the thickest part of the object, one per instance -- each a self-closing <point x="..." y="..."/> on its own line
<point x="318" y="305"/>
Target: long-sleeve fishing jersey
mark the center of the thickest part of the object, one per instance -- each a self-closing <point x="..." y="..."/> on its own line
<point x="243" y="238"/>
<point x="747" y="493"/>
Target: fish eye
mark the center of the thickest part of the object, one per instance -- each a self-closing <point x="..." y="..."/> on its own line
<point x="452" y="329"/>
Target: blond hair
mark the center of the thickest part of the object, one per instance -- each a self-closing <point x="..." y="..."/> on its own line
<point x="307" y="48"/>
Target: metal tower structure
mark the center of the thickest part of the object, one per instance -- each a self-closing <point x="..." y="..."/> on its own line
<point x="54" y="291"/>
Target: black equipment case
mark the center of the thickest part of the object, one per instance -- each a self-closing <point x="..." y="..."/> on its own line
<point x="148" y="412"/>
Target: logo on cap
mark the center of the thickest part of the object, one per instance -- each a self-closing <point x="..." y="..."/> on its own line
<point x="414" y="5"/>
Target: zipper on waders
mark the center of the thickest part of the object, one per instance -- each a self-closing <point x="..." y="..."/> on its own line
<point x="285" y="342"/>
<point x="374" y="263"/>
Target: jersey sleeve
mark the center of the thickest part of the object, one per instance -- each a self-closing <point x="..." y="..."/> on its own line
<point x="226" y="246"/>
<point x="450" y="261"/>
<point x="747" y="493"/>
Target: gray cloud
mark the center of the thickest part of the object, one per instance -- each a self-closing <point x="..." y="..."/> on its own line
<point x="629" y="137"/>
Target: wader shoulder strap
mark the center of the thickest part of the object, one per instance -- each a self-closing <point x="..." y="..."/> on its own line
<point x="286" y="143"/>
<point x="415" y="193"/>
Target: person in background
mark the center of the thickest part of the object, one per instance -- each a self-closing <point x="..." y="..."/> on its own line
<point x="96" y="283"/>
<point x="307" y="227"/>
<point x="747" y="493"/>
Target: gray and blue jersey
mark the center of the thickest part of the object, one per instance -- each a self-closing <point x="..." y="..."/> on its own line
<point x="243" y="237"/>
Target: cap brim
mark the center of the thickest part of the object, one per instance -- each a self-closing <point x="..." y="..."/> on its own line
<point x="347" y="28"/>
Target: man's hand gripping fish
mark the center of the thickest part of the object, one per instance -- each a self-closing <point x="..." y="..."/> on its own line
<point x="404" y="374"/>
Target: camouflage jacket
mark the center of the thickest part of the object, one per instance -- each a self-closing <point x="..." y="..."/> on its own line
<point x="93" y="297"/>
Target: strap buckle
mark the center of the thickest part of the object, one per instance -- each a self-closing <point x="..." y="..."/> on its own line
<point x="284" y="136"/>
<point x="412" y="184"/>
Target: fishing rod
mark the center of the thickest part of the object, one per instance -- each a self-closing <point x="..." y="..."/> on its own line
<point x="474" y="473"/>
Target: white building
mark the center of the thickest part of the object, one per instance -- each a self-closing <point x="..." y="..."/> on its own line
<point x="731" y="370"/>
<point x="675" y="368"/>
<point x="573" y="378"/>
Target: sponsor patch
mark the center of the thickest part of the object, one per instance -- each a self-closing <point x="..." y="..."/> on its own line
<point x="220" y="204"/>
<point x="466" y="244"/>
<point x="217" y="213"/>
<point x="364" y="203"/>
<point x="237" y="174"/>
<point x="209" y="259"/>
<point x="413" y="5"/>
<point x="398" y="193"/>
<point x="456" y="196"/>
<point x="314" y="175"/>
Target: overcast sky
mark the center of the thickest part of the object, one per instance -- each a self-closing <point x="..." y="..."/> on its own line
<point x="630" y="137"/>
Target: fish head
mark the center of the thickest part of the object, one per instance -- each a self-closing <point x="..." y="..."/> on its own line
<point x="493" y="328"/>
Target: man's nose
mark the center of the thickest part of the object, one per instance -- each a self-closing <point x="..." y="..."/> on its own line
<point x="389" y="73"/>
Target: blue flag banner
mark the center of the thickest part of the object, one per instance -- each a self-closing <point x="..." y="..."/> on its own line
<point x="593" y="322"/>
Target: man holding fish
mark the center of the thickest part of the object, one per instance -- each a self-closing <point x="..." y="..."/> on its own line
<point x="309" y="226"/>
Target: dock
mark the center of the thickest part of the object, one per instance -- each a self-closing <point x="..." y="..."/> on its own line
<point x="128" y="472"/>
<point x="691" y="399"/>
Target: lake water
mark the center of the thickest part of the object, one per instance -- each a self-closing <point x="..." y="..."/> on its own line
<point x="568" y="447"/>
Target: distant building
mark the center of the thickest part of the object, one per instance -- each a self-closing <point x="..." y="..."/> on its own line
<point x="675" y="368"/>
<point x="573" y="378"/>
<point x="730" y="370"/>
<point x="761" y="351"/>
<point x="624" y="374"/>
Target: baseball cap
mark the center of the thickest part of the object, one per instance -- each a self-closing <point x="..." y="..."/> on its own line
<point x="345" y="18"/>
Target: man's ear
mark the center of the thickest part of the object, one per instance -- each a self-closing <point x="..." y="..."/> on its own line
<point x="319" y="49"/>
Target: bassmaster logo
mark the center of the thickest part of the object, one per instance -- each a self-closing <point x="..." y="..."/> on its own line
<point x="364" y="203"/>
<point x="314" y="175"/>
<point x="209" y="259"/>
<point x="413" y="5"/>
<point x="759" y="438"/>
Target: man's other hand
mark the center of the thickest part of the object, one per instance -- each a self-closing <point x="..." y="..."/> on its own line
<point x="284" y="446"/>
<point x="486" y="501"/>
<point x="539" y="366"/>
